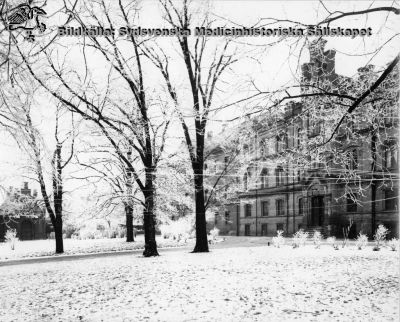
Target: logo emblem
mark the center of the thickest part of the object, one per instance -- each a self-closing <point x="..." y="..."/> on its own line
<point x="26" y="17"/>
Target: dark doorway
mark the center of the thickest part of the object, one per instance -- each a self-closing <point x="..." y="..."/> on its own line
<point x="264" y="229"/>
<point x="247" y="230"/>
<point x="26" y="230"/>
<point x="317" y="211"/>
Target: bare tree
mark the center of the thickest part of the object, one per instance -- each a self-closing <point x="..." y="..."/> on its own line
<point x="204" y="64"/>
<point x="30" y="139"/>
<point x="130" y="120"/>
<point x="107" y="171"/>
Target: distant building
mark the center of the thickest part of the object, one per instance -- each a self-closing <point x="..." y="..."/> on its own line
<point x="22" y="211"/>
<point x="220" y="186"/>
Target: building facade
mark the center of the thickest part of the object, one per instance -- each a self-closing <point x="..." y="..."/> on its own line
<point x="353" y="183"/>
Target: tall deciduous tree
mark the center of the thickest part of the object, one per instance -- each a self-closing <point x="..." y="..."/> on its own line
<point x="204" y="63"/>
<point x="118" y="102"/>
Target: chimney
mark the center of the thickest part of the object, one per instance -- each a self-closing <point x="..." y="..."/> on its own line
<point x="35" y="193"/>
<point x="25" y="185"/>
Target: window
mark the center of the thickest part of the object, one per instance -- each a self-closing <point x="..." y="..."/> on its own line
<point x="264" y="178"/>
<point x="315" y="127"/>
<point x="247" y="210"/>
<point x="390" y="200"/>
<point x="298" y="137"/>
<point x="245" y="185"/>
<point x="279" y="207"/>
<point x="278" y="144"/>
<point x="216" y="218"/>
<point x="263" y="148"/>
<point x="279" y="226"/>
<point x="285" y="141"/>
<point x="279" y="176"/>
<point x="247" y="230"/>
<point x="352" y="163"/>
<point x="227" y="215"/>
<point x="281" y="142"/>
<point x="351" y="204"/>
<point x="226" y="160"/>
<point x="265" y="206"/>
<point x="264" y="229"/>
<point x="301" y="201"/>
<point x="390" y="157"/>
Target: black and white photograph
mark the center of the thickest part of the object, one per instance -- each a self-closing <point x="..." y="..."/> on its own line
<point x="199" y="160"/>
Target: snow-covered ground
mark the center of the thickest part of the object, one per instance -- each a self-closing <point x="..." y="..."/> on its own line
<point x="228" y="284"/>
<point x="38" y="248"/>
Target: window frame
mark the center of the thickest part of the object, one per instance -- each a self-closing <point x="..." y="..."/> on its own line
<point x="279" y="205"/>
<point x="264" y="205"/>
<point x="247" y="210"/>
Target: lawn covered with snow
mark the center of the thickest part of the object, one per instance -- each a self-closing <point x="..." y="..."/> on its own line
<point x="39" y="248"/>
<point x="228" y="284"/>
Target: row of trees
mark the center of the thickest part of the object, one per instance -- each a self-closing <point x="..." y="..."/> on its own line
<point x="125" y="94"/>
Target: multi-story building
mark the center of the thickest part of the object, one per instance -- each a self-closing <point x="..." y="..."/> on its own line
<point x="285" y="186"/>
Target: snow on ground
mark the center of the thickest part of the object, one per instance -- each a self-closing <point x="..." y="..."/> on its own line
<point x="38" y="248"/>
<point x="228" y="284"/>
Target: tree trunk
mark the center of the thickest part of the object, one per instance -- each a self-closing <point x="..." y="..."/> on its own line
<point x="201" y="224"/>
<point x="150" y="244"/>
<point x="58" y="231"/>
<point x="129" y="224"/>
<point x="373" y="184"/>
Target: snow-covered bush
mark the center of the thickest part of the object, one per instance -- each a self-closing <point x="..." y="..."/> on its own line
<point x="393" y="244"/>
<point x="380" y="236"/>
<point x="11" y="237"/>
<point x="299" y="238"/>
<point x="180" y="229"/>
<point x="278" y="240"/>
<point x="361" y="241"/>
<point x="317" y="239"/>
<point x="332" y="242"/>
<point x="214" y="233"/>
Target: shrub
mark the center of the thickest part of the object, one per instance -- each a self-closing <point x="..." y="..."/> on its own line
<point x="380" y="236"/>
<point x="11" y="237"/>
<point x="332" y="242"/>
<point x="278" y="240"/>
<point x="299" y="238"/>
<point x="393" y="244"/>
<point x="317" y="239"/>
<point x="180" y="229"/>
<point x="214" y="233"/>
<point x="361" y="241"/>
<point x="69" y="230"/>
